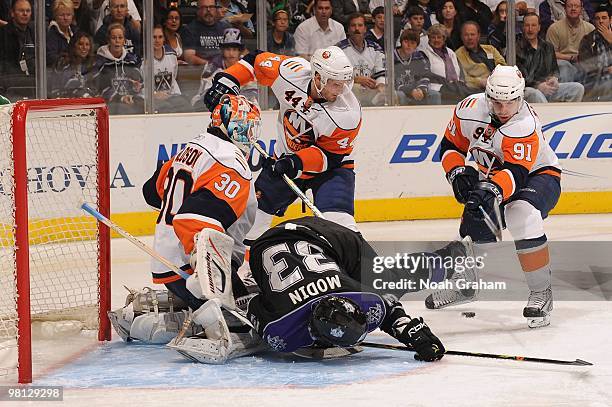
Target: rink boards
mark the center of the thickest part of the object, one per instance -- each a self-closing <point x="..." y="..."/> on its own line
<point x="399" y="175"/>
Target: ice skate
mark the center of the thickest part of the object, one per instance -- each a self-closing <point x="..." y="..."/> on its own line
<point x="450" y="297"/>
<point x="539" y="306"/>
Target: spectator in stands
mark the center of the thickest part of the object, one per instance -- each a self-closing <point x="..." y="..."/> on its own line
<point x="538" y="64"/>
<point x="565" y="36"/>
<point x="117" y="75"/>
<point x="60" y="31"/>
<point x="412" y="72"/>
<point x="551" y="11"/>
<point x="496" y="34"/>
<point x="83" y="17"/>
<point x="281" y="41"/>
<point x="235" y="13"/>
<point x="17" y="67"/>
<point x="318" y="31"/>
<point x="72" y="76"/>
<point x="475" y="10"/>
<point x="232" y="48"/>
<point x="428" y="9"/>
<point x="204" y="34"/>
<point x="595" y="57"/>
<point x="119" y="15"/>
<point x="299" y="11"/>
<point x="172" y="27"/>
<point x="5" y="12"/>
<point x="368" y="60"/>
<point x="343" y="9"/>
<point x="448" y="16"/>
<point x="103" y="9"/>
<point x="477" y="61"/>
<point x="167" y="96"/>
<point x="377" y="32"/>
<point x="416" y="22"/>
<point x="446" y="75"/>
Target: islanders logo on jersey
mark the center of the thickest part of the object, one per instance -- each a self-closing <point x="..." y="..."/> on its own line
<point x="299" y="132"/>
<point x="488" y="162"/>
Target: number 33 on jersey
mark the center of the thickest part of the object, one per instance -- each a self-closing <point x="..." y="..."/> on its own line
<point x="200" y="190"/>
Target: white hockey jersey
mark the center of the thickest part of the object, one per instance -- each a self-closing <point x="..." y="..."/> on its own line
<point x="208" y="184"/>
<point x="506" y="155"/>
<point x="312" y="129"/>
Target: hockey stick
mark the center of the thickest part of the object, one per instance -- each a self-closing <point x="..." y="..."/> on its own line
<point x="142" y="246"/>
<point x="577" y="362"/>
<point x="291" y="184"/>
<point x="489" y="222"/>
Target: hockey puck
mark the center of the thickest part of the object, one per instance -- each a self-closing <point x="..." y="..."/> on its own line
<point x="468" y="314"/>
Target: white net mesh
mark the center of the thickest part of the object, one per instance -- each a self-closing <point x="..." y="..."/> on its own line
<point x="62" y="157"/>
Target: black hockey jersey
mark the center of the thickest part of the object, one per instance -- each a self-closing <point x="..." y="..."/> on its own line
<point x="301" y="261"/>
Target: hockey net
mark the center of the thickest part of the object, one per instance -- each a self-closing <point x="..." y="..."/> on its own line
<point x="54" y="260"/>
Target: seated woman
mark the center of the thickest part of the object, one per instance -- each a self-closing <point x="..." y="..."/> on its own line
<point x="60" y="31"/>
<point x="447" y="77"/>
<point x="117" y="74"/>
<point x="449" y="17"/>
<point x="167" y="96"/>
<point x="172" y="26"/>
<point x="412" y="72"/>
<point x="72" y="75"/>
<point x="496" y="35"/>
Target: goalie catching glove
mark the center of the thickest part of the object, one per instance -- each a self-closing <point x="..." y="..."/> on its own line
<point x="416" y="335"/>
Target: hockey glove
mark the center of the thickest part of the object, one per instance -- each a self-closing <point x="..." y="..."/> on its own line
<point x="484" y="195"/>
<point x="289" y="165"/>
<point x="463" y="180"/>
<point x="416" y="335"/>
<point x="223" y="84"/>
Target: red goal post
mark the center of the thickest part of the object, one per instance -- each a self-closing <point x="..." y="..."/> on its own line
<point x="56" y="154"/>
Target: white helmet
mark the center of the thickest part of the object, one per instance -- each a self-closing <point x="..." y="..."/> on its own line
<point x="505" y="83"/>
<point x="331" y="63"/>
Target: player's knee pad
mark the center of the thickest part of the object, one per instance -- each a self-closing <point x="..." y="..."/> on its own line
<point x="523" y="220"/>
<point x="341" y="218"/>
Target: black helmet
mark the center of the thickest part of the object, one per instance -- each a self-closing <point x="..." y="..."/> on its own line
<point x="337" y="321"/>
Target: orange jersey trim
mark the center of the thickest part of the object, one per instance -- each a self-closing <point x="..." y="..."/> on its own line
<point x="227" y="185"/>
<point x="186" y="228"/>
<point x="313" y="159"/>
<point x="452" y="159"/>
<point x="454" y="134"/>
<point x="160" y="184"/>
<point x="521" y="151"/>
<point x="340" y="141"/>
<point x="505" y="180"/>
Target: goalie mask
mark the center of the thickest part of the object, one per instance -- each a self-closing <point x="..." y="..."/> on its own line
<point x="337" y="321"/>
<point x="504" y="92"/>
<point x="238" y="119"/>
<point x="334" y="69"/>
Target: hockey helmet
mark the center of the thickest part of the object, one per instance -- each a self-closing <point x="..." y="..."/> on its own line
<point x="331" y="63"/>
<point x="239" y="119"/>
<point x="337" y="321"/>
<point x="505" y="85"/>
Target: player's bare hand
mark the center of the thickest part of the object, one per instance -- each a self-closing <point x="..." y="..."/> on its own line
<point x="127" y="99"/>
<point x="365" y="81"/>
<point x="417" y="94"/>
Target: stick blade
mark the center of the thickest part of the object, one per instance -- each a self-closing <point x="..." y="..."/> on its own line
<point x="580" y="362"/>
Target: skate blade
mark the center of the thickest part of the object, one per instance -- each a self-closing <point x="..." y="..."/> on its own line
<point x="538" y="322"/>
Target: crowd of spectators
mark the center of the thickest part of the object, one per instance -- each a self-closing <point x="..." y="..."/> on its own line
<point x="444" y="49"/>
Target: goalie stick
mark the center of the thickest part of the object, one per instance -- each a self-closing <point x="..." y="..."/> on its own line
<point x="577" y="362"/>
<point x="231" y="308"/>
<point x="291" y="184"/>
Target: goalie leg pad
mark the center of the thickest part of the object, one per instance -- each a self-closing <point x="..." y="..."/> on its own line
<point x="158" y="328"/>
<point x="213" y="267"/>
<point x="216" y="344"/>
